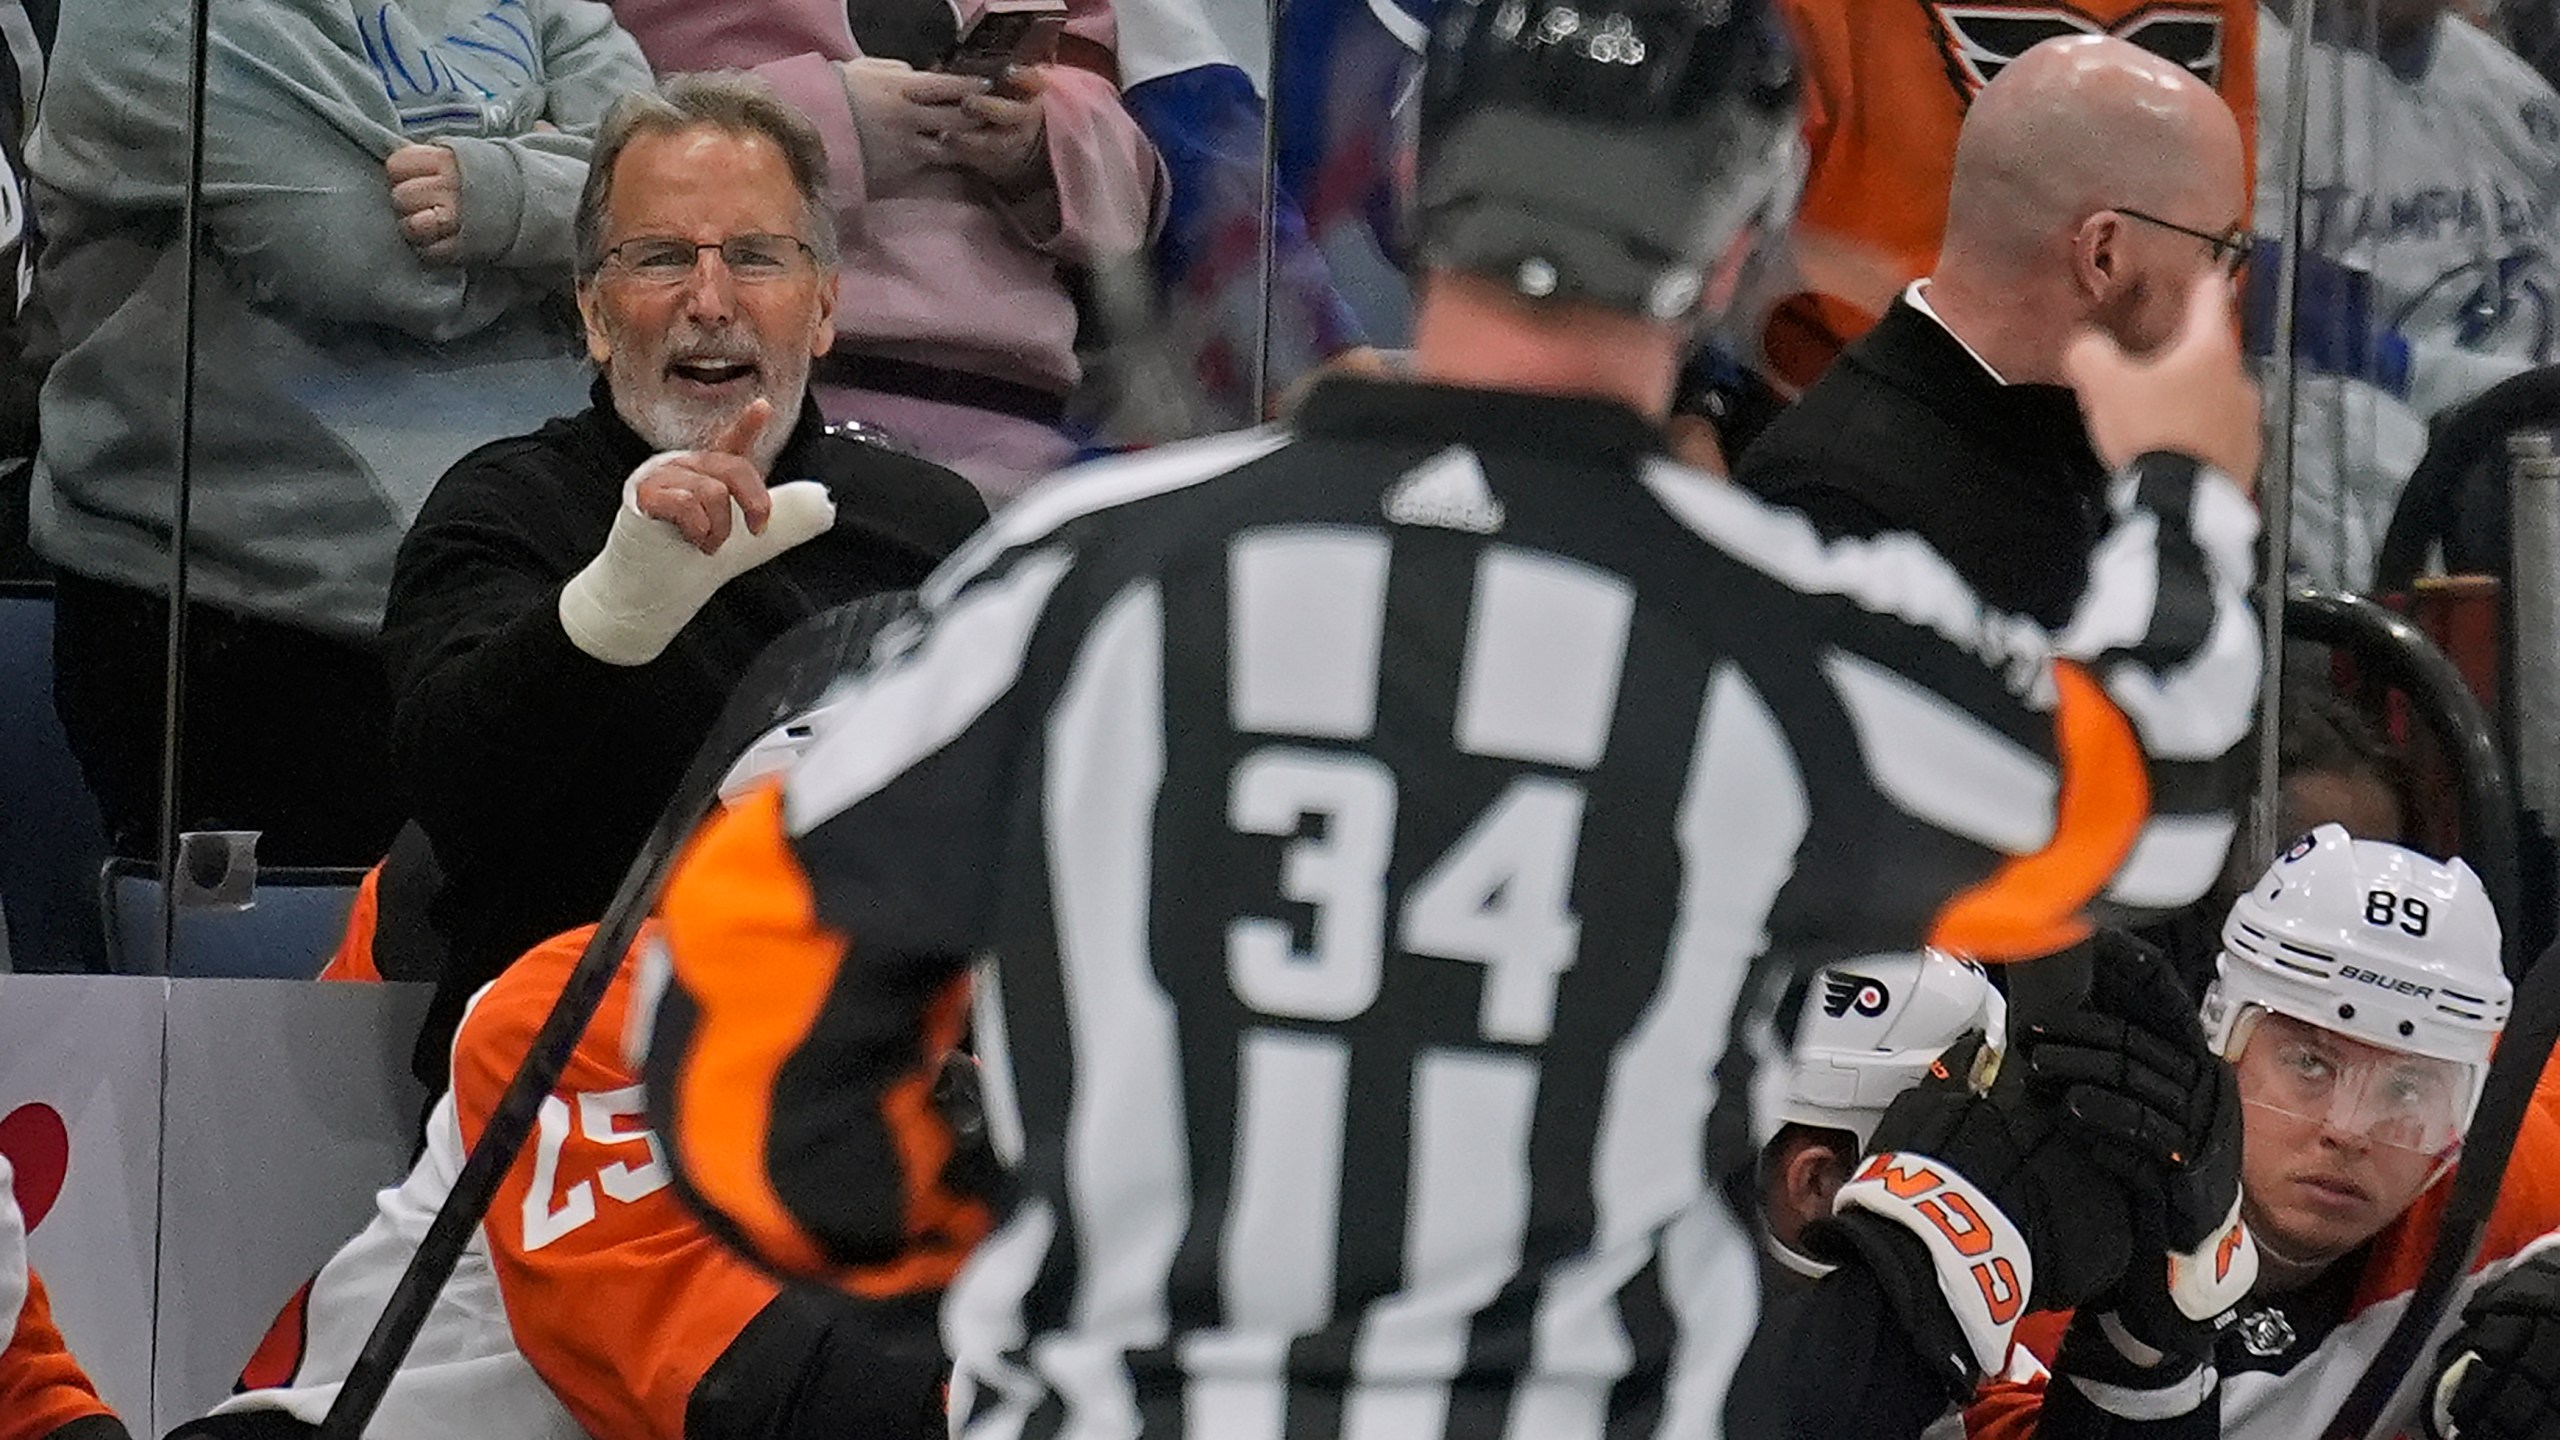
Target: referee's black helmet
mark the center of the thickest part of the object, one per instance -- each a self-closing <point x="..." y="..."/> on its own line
<point x="1607" y="151"/>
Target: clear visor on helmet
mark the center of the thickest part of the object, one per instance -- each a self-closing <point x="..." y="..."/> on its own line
<point x="2383" y="1097"/>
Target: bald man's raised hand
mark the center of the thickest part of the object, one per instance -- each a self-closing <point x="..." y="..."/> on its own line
<point x="2192" y="396"/>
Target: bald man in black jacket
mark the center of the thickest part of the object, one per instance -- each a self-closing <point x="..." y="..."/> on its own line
<point x="2093" y="182"/>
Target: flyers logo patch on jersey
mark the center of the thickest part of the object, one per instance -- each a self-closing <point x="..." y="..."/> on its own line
<point x="1979" y="40"/>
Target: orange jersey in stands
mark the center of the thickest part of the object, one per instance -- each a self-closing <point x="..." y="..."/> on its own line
<point x="1886" y="85"/>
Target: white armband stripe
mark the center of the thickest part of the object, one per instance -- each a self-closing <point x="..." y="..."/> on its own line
<point x="2167" y="1403"/>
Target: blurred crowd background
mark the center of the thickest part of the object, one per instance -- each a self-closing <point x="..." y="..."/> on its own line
<point x="1178" y="215"/>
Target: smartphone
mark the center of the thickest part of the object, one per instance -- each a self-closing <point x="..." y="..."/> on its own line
<point x="1005" y="34"/>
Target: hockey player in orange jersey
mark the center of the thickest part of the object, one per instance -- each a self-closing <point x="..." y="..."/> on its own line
<point x="43" y="1393"/>
<point x="1886" y="87"/>
<point x="2359" y="996"/>
<point x="590" y="1303"/>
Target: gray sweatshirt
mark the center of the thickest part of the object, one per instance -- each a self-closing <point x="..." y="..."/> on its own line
<point x="339" y="374"/>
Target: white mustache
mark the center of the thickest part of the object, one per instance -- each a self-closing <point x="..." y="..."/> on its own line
<point x="712" y="352"/>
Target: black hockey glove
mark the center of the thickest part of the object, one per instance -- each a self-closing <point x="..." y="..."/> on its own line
<point x="814" y="1364"/>
<point x="2501" y="1375"/>
<point x="1970" y="1206"/>
<point x="2161" y="1112"/>
<point x="2132" y="1353"/>
<point x="2134" y="1070"/>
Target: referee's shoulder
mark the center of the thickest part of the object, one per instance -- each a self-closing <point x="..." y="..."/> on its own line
<point x="1875" y="583"/>
<point x="1111" y="482"/>
<point x="1068" y="507"/>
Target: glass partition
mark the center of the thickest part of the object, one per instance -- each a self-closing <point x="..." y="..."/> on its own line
<point x="381" y="217"/>
<point x="2408" y="165"/>
<point x="2418" y="252"/>
<point x="287" y="264"/>
<point x="348" y="328"/>
<point x="385" y="261"/>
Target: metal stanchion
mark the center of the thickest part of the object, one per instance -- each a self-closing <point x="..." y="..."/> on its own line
<point x="2533" y="624"/>
<point x="2275" y="480"/>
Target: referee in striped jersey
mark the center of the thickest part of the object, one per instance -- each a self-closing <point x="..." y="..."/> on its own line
<point x="1384" y="838"/>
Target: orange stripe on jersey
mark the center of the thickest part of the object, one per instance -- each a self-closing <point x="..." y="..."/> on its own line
<point x="278" y="1357"/>
<point x="2010" y="1405"/>
<point x="746" y="946"/>
<point x="2033" y="904"/>
<point x="616" y="1295"/>
<point x="2005" y="1410"/>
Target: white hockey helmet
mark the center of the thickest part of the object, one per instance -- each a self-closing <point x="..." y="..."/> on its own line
<point x="2369" y="940"/>
<point x="1870" y="1029"/>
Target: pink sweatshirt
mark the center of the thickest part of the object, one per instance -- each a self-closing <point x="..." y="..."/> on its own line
<point x="936" y="270"/>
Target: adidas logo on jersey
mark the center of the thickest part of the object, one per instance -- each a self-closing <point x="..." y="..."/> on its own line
<point x="1448" y="491"/>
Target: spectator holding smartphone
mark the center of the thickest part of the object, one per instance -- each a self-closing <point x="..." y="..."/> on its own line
<point x="964" y="206"/>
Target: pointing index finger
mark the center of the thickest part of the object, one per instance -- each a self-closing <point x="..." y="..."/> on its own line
<point x="740" y="437"/>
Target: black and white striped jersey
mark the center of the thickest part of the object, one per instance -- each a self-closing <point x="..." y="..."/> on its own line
<point x="1385" y="838"/>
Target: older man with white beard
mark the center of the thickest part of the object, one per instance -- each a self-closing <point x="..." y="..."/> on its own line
<point x="573" y="605"/>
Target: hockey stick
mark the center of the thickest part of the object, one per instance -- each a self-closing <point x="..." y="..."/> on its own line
<point x="2446" y="707"/>
<point x="790" y="676"/>
<point x="2505" y="1096"/>
<point x="2050" y="987"/>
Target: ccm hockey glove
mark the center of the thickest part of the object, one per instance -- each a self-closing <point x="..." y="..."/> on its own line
<point x="2501" y="1375"/>
<point x="2132" y="1353"/>
<point x="1969" y="1207"/>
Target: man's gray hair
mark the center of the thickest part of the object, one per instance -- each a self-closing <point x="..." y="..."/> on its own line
<point x="730" y="100"/>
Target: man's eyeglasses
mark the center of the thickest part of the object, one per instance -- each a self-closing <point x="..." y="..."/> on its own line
<point x="749" y="259"/>
<point x="2230" y="248"/>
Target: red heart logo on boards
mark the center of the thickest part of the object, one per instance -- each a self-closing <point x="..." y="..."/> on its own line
<point x="38" y="1145"/>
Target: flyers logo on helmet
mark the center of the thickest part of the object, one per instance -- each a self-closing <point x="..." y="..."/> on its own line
<point x="1842" y="990"/>
<point x="1979" y="40"/>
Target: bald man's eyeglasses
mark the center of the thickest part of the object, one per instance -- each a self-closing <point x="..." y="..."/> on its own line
<point x="2230" y="248"/>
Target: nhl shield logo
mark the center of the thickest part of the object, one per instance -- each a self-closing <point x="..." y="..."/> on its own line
<point x="1979" y="40"/>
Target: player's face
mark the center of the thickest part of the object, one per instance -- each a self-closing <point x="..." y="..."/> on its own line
<point x="687" y="348"/>
<point x="2339" y="1136"/>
